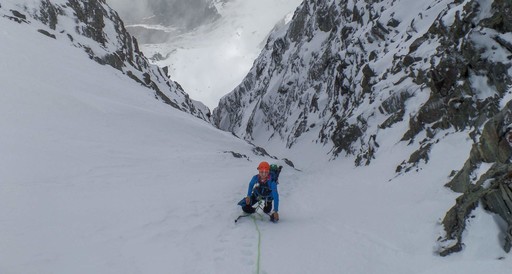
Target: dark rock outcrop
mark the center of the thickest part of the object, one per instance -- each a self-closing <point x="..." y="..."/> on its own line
<point x="493" y="189"/>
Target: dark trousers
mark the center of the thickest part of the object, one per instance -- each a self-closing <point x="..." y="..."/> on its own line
<point x="249" y="209"/>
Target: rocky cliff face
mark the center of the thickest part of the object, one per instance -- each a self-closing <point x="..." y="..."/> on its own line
<point x="485" y="179"/>
<point x="348" y="72"/>
<point x="98" y="30"/>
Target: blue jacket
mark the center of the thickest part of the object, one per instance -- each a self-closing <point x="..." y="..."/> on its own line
<point x="273" y="187"/>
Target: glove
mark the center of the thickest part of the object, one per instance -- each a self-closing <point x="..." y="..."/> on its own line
<point x="248" y="200"/>
<point x="274" y="217"/>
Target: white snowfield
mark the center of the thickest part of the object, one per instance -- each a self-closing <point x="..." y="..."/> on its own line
<point x="96" y="176"/>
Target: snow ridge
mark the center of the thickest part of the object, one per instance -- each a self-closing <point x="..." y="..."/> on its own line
<point x="98" y="30"/>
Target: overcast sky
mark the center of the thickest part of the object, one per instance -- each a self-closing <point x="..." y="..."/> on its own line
<point x="131" y="8"/>
<point x="186" y="14"/>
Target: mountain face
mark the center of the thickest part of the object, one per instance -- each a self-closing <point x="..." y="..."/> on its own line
<point x="348" y="73"/>
<point x="98" y="30"/>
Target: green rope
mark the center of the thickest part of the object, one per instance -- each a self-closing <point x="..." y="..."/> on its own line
<point x="259" y="245"/>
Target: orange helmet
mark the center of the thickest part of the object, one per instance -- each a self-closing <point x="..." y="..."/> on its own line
<point x="264" y="166"/>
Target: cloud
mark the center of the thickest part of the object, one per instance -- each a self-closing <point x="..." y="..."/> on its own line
<point x="183" y="14"/>
<point x="131" y="11"/>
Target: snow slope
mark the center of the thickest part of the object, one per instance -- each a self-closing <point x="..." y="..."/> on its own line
<point x="96" y="176"/>
<point x="98" y="30"/>
<point x="94" y="169"/>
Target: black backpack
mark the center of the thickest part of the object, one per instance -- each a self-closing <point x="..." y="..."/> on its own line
<point x="275" y="170"/>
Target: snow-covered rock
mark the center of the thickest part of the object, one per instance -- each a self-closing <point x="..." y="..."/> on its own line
<point x="99" y="31"/>
<point x="347" y="72"/>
